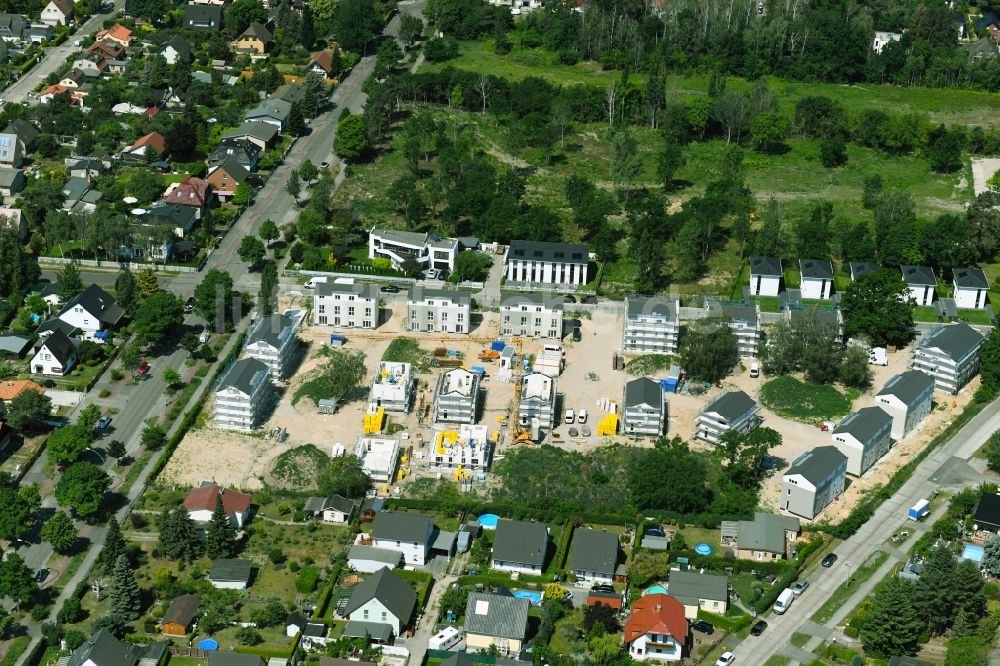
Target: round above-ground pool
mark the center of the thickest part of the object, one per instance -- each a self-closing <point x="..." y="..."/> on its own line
<point x="489" y="521"/>
<point x="534" y="598"/>
<point x="703" y="549"/>
<point x="655" y="589"/>
<point x="208" y="644"/>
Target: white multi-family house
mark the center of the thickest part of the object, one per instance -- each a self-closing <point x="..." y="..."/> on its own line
<point x="864" y="437"/>
<point x="439" y="311"/>
<point x="456" y="396"/>
<point x="537" y="400"/>
<point x="652" y="325"/>
<point x="91" y="311"/>
<point x="744" y="321"/>
<point x="547" y="264"/>
<point x="531" y="316"/>
<point x="907" y="397"/>
<point x="765" y="276"/>
<point x="733" y="410"/>
<point x="862" y="268"/>
<point x="949" y="354"/>
<point x="378" y="457"/>
<point x="644" y="408"/>
<point x="971" y="288"/>
<point x="346" y="305"/>
<point x="816" y="278"/>
<point x="272" y="340"/>
<point x="393" y="387"/>
<point x="56" y="355"/>
<point x="426" y="249"/>
<point x="921" y="282"/>
<point x="242" y="396"/>
<point x="469" y="449"/>
<point x="815" y="479"/>
<point x="406" y="532"/>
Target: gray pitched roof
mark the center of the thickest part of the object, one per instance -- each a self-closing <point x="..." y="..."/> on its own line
<point x="332" y="502"/>
<point x="454" y="295"/>
<point x="269" y="329"/>
<point x="765" y="532"/>
<point x="55" y="324"/>
<point x="563" y="253"/>
<point x="180" y="45"/>
<point x="971" y="278"/>
<point x="183" y="610"/>
<point x="173" y="215"/>
<point x="651" y="305"/>
<point x="496" y="615"/>
<point x="864" y="423"/>
<point x="521" y="542"/>
<point x="955" y="340"/>
<point x="258" y="31"/>
<point x="231" y="165"/>
<point x="918" y="275"/>
<point x="643" y="391"/>
<point x="24" y="130"/>
<point x="389" y="589"/>
<point x="513" y="299"/>
<point x="594" y="551"/>
<point x="740" y="313"/>
<point x="402" y="526"/>
<point x="731" y="405"/>
<point x="9" y="176"/>
<point x="859" y="268"/>
<point x="230" y="570"/>
<point x="14" y="344"/>
<point x="103" y="649"/>
<point x="75" y="188"/>
<point x="689" y="586"/>
<point x="363" y="290"/>
<point x="97" y="302"/>
<point x="241" y="375"/>
<point x="375" y="630"/>
<point x="767" y="266"/>
<point x="817" y="269"/>
<point x="261" y="131"/>
<point x="61" y="347"/>
<point x="271" y="108"/>
<point x="203" y="16"/>
<point x="908" y="386"/>
<point x="815" y="465"/>
<point x="362" y="552"/>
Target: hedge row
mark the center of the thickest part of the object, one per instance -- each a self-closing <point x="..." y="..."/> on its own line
<point x="769" y="597"/>
<point x="324" y="597"/>
<point x="562" y="552"/>
<point x="511" y="510"/>
<point x="424" y="578"/>
<point x="266" y="652"/>
<point x="726" y="623"/>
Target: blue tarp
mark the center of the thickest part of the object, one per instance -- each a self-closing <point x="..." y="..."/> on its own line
<point x="497" y="346"/>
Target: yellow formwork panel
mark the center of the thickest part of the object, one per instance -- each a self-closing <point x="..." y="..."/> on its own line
<point x="607" y="426"/>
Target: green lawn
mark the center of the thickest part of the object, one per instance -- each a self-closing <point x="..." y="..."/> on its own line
<point x="16" y="648"/>
<point x="795" y="399"/>
<point x="978" y="317"/>
<point x="769" y="303"/>
<point x="840" y="596"/>
<point x="564" y="637"/>
<point x="187" y="661"/>
<point x="695" y="535"/>
<point x="777" y="660"/>
<point x="925" y="313"/>
<point x="799" y="639"/>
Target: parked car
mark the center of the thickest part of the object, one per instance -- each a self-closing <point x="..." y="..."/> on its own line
<point x="704" y="627"/>
<point x="103" y="423"/>
<point x="726" y="659"/>
<point x="143" y="369"/>
<point x="799" y="587"/>
<point x="829" y="560"/>
<point x="758" y="629"/>
<point x="602" y="587"/>
<point x="324" y="165"/>
<point x="569" y="299"/>
<point x="41" y="575"/>
<point x="189" y="304"/>
<point x="590" y="300"/>
<point x="390" y="289"/>
<point x="577" y="336"/>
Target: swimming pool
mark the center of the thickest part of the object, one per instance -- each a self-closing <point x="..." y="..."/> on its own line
<point x="703" y="549"/>
<point x="655" y="589"/>
<point x="971" y="551"/>
<point x="208" y="644"/>
<point x="534" y="598"/>
<point x="489" y="521"/>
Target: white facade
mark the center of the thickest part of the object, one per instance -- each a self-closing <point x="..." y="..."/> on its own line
<point x="655" y="647"/>
<point x="426" y="250"/>
<point x="537" y="400"/>
<point x="731" y="411"/>
<point x="531" y="316"/>
<point x="970" y="298"/>
<point x="882" y="39"/>
<point x="242" y="396"/>
<point x="78" y="317"/>
<point x="438" y="311"/>
<point x="393" y="387"/>
<point x="44" y="362"/>
<point x="374" y="611"/>
<point x="346" y="305"/>
<point x="555" y="264"/>
<point x="652" y="325"/>
<point x="272" y="341"/>
<point x="414" y="547"/>
<point x="54" y="15"/>
<point x="949" y="354"/>
<point x="378" y="457"/>
<point x="765" y="276"/>
<point x="863" y="444"/>
<point x="908" y="408"/>
<point x="456" y="396"/>
<point x="470" y="449"/>
<point x="971" y="288"/>
<point x="518" y="7"/>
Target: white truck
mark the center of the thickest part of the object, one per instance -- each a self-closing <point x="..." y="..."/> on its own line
<point x="784" y="601"/>
<point x="322" y="279"/>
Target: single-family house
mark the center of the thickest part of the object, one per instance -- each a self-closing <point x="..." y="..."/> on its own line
<point x="103" y="649"/>
<point x="547" y="264"/>
<point x="55" y="324"/>
<point x="767" y="537"/>
<point x="960" y="23"/>
<point x="50" y="294"/>
<point x="907" y="397"/>
<point x="765" y="276"/>
<point x="180" y="219"/>
<point x="644" y="408"/>
<point x="74" y="190"/>
<point x="260" y="134"/>
<point x="456" y="396"/>
<point x="92" y="64"/>
<point x="192" y="191"/>
<point x="10" y="151"/>
<point x="426" y="249"/>
<point x="73" y="79"/>
<point x="152" y="143"/>
<point x="292" y="92"/>
<point x="225" y="177"/>
<point x="531" y="315"/>
<point x="26" y="133"/>
<point x="984" y="48"/>
<point x="971" y="288"/>
<point x="12" y="219"/>
<point x="439" y="310"/>
<point x="921" y="282"/>
<point x="116" y="33"/>
<point x="322" y="63"/>
<point x="13" y="27"/>
<point x="883" y="39"/>
<point x="815" y="479"/>
<point x="92" y="310"/>
<point x="816" y="278"/>
<point x="271" y="111"/>
<point x="537" y="401"/>
<point x="13" y="347"/>
<point x="393" y="387"/>
<point x="369" y="559"/>
<point x="58" y="12"/>
<point x="200" y="503"/>
<point x="175" y="50"/>
<point x="382" y="598"/>
<point x="733" y="410"/>
<point x="272" y="341"/>
<point x="496" y="620"/>
<point x="949" y="354"/>
<point x="12" y="181"/>
<point x="56" y="355"/>
<point x="346" y="305"/>
<point x="107" y="48"/>
<point x="203" y="17"/>
<point x="294" y="624"/>
<point x="987" y="515"/>
<point x="255" y="39"/>
<point x="243" y="395"/>
<point x="406" y="532"/>
<point x="657" y="629"/>
<point x="11" y="388"/>
<point x="245" y="152"/>
<point x="861" y="268"/>
<point x="594" y="555"/>
<point x="332" y="509"/>
<point x="864" y="437"/>
<point x="652" y="325"/>
<point x="700" y="591"/>
<point x="228" y="574"/>
<point x="520" y="546"/>
<point x="180" y="615"/>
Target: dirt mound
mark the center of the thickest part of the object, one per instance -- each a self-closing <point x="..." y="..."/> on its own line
<point x="297" y="469"/>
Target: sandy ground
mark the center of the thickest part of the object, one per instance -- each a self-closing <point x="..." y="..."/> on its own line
<point x="983" y="169"/>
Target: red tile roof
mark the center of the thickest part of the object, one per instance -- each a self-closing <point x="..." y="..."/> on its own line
<point x="656" y="614"/>
<point x="12" y="388"/>
<point x="324" y="59"/>
<point x="154" y="140"/>
<point x="192" y="191"/>
<point x="117" y="32"/>
<point x="202" y="498"/>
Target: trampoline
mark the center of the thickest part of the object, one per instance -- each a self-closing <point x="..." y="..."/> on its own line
<point x="703" y="549"/>
<point x="489" y="521"/>
<point x="208" y="644"/>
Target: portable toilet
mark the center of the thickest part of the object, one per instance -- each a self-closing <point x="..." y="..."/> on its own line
<point x="337" y="340"/>
<point x="672" y="380"/>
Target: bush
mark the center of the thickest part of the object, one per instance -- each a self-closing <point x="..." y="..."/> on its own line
<point x="39" y="613"/>
<point x="117" y="375"/>
<point x="249" y="636"/>
<point x="730" y="624"/>
<point x="104" y="393"/>
<point x="306" y="581"/>
<point x="275" y="555"/>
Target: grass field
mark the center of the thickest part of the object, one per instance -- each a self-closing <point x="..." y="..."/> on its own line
<point x="799" y="639"/>
<point x="849" y="587"/>
<point x="925" y="313"/>
<point x="795" y="399"/>
<point x="978" y="317"/>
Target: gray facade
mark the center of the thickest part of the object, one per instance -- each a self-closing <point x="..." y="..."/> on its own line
<point x="815" y="479"/>
<point x="864" y="437"/>
<point x="242" y="396"/>
<point x="439" y="311"/>
<point x="531" y="316"/>
<point x="744" y="320"/>
<point x="644" y="408"/>
<point x="456" y="396"/>
<point x="538" y="399"/>
<point x="949" y="354"/>
<point x="907" y="398"/>
<point x="272" y="341"/>
<point x="651" y="325"/>
<point x="346" y="305"/>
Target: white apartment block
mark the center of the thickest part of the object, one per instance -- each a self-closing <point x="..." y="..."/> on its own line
<point x="531" y="316"/>
<point x="651" y="325"/>
<point x="883" y="39"/>
<point x="272" y="341"/>
<point x="538" y="400"/>
<point x="547" y="264"/>
<point x="242" y="396"/>
<point x="378" y="456"/>
<point x="346" y="305"/>
<point x="733" y="410"/>
<point x="456" y="396"/>
<point x="744" y="320"/>
<point x="907" y="398"/>
<point x="426" y="249"/>
<point x="439" y="311"/>
<point x="949" y="354"/>
<point x="393" y="387"/>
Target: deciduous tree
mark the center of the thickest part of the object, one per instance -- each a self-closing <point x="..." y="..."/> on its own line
<point x="877" y="306"/>
<point x="67" y="444"/>
<point x="82" y="488"/>
<point x="344" y="476"/>
<point x="60" y="531"/>
<point x="157" y="318"/>
<point x="28" y="411"/>
<point x="709" y="351"/>
<point x="251" y="250"/>
<point x="352" y="138"/>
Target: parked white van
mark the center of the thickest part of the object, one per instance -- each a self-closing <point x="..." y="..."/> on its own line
<point x="570" y="417"/>
<point x="783" y="601"/>
<point x="313" y="281"/>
